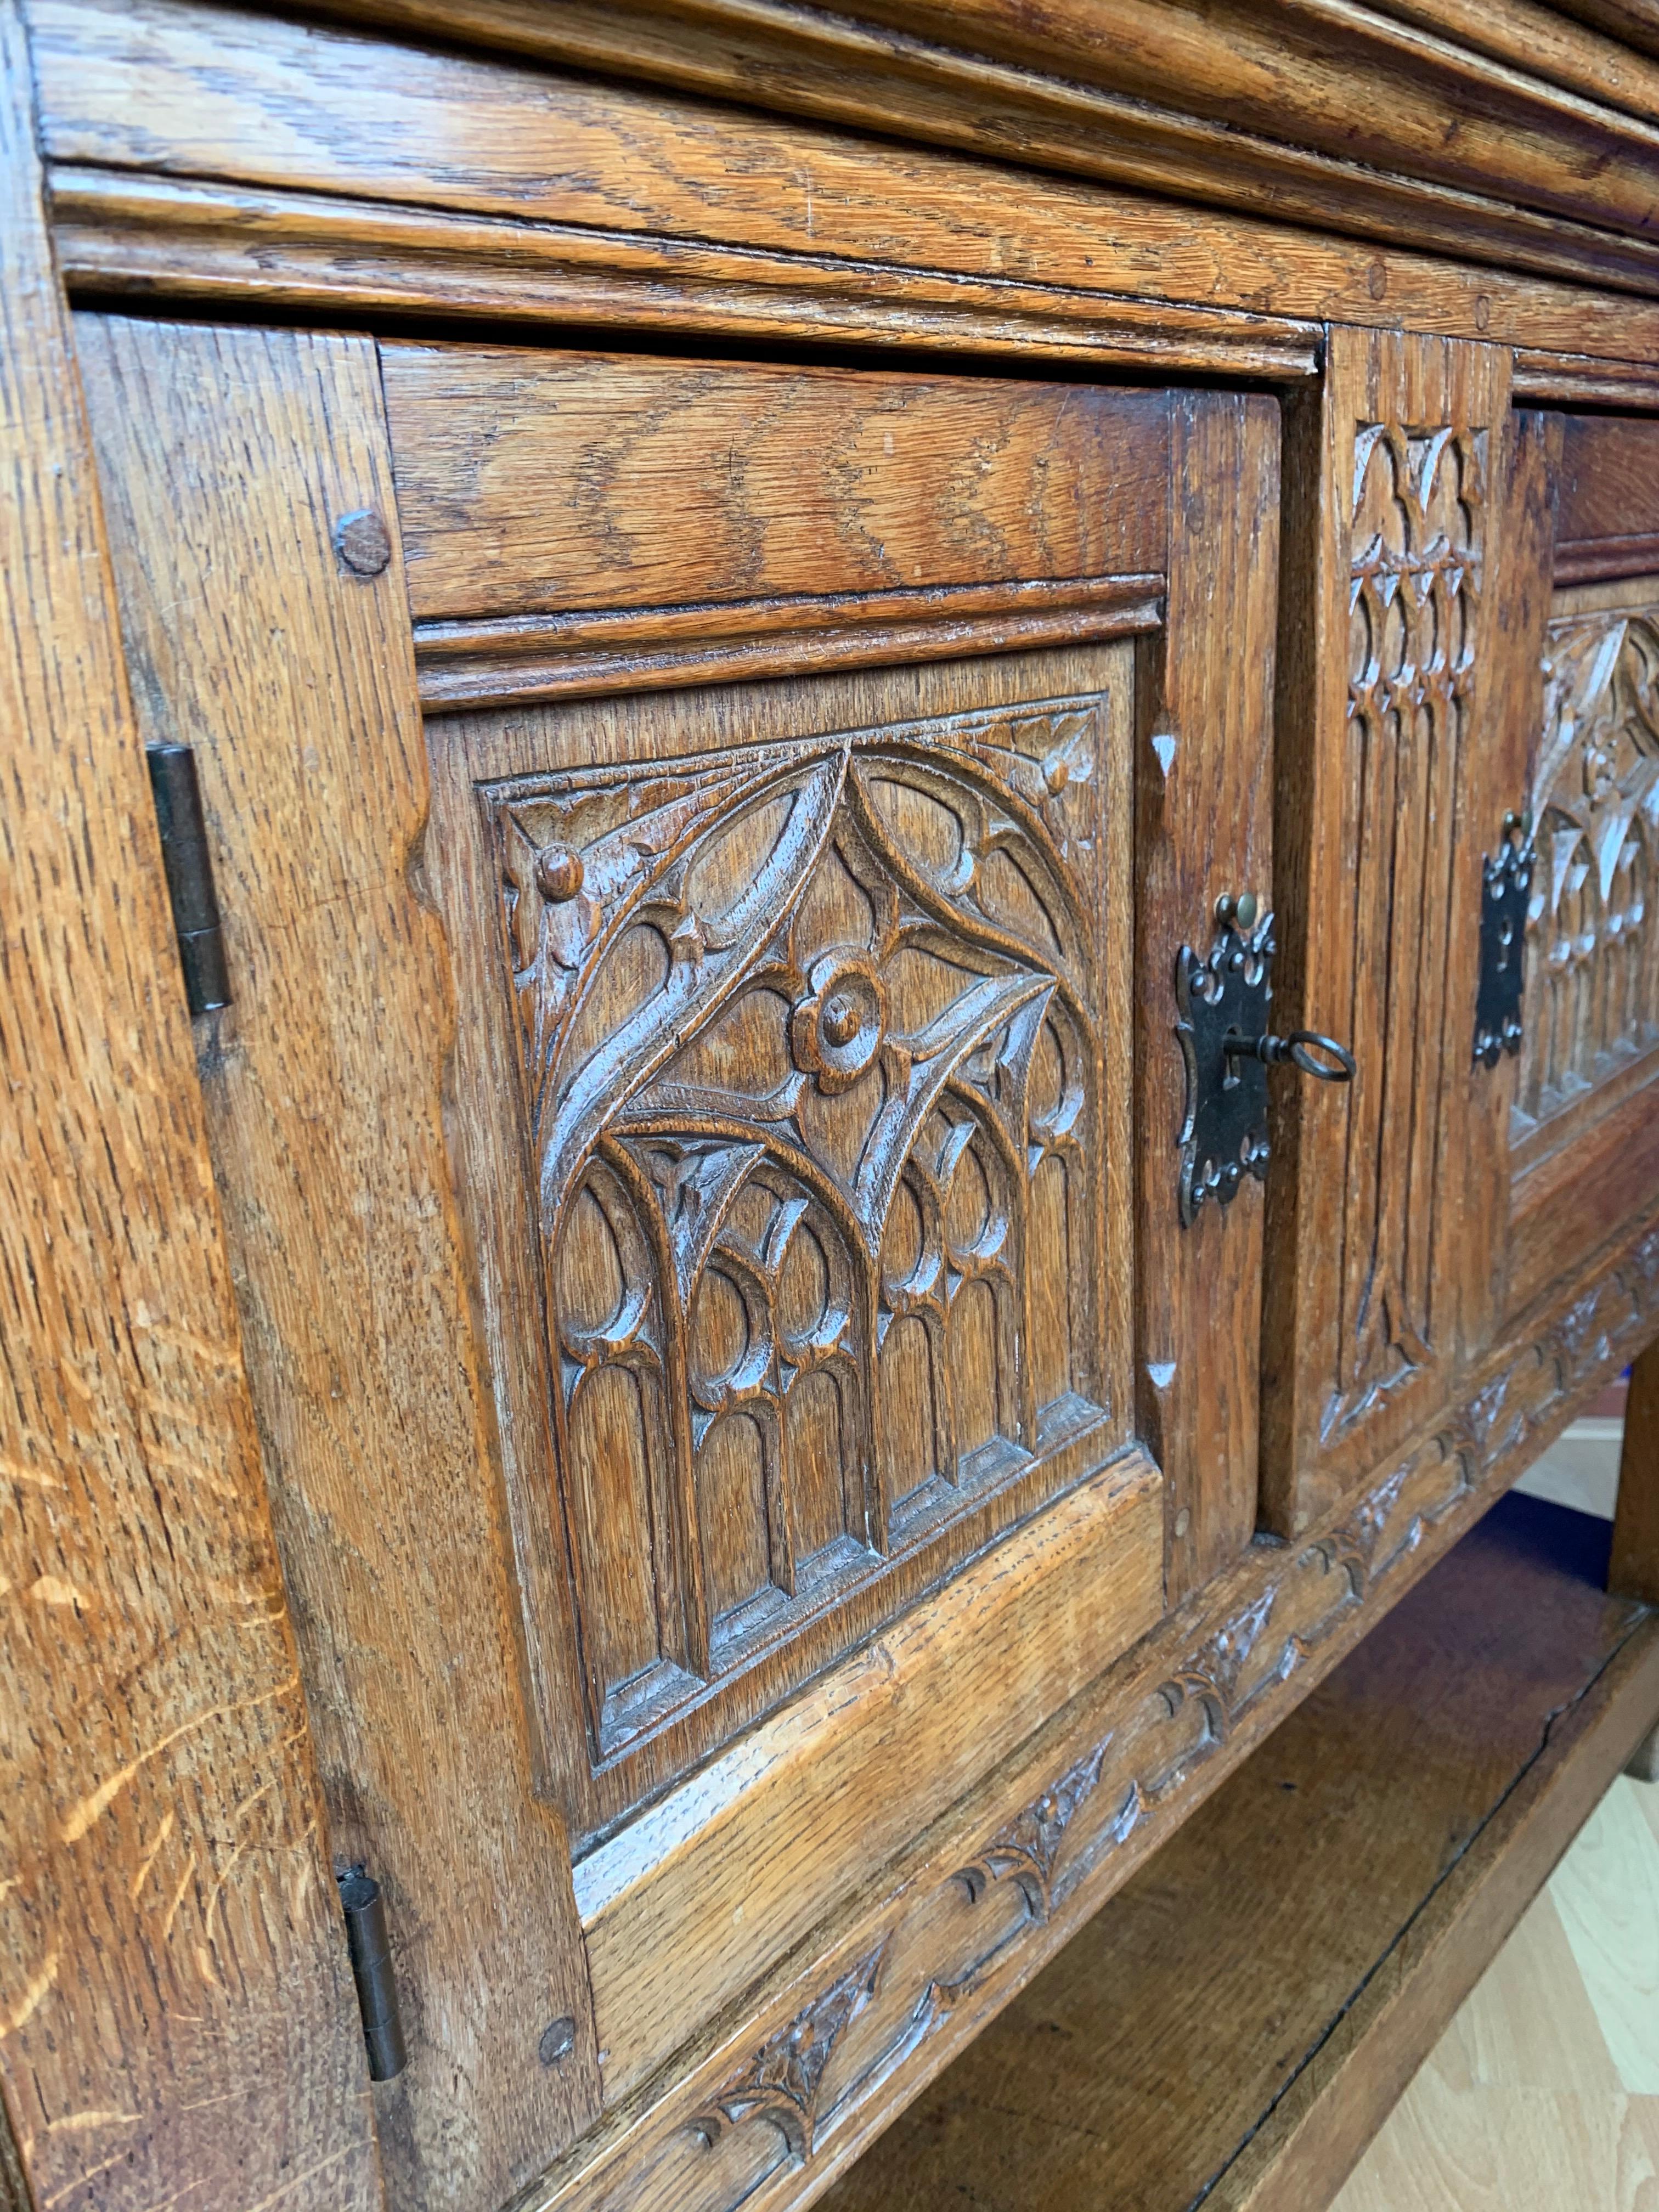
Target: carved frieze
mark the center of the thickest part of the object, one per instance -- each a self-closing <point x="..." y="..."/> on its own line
<point x="1418" y="541"/>
<point x="1593" y="951"/>
<point x="810" y="1043"/>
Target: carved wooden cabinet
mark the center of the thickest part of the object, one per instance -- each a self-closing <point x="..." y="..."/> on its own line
<point x="728" y="1347"/>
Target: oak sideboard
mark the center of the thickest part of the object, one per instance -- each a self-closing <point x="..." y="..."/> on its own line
<point x="831" y="997"/>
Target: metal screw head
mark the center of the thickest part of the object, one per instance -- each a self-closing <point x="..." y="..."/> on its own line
<point x="559" y="874"/>
<point x="363" y="542"/>
<point x="558" y="2040"/>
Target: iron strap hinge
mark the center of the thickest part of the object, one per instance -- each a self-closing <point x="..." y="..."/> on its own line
<point x="185" y="855"/>
<point x="370" y="1947"/>
<point x="1505" y="894"/>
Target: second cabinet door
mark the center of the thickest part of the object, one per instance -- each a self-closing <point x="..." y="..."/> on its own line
<point x="704" y="850"/>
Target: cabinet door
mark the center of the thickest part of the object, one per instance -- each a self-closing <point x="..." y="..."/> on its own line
<point x="693" y="839"/>
<point x="1584" y="1131"/>
<point x="1390" y="794"/>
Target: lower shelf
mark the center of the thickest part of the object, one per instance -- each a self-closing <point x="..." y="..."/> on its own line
<point x="1235" y="2025"/>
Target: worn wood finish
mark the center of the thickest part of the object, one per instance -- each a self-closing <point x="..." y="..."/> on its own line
<point x="1361" y="87"/>
<point x="175" y="2002"/>
<point x="789" y="2090"/>
<point x="1634" y="1571"/>
<point x="1608" y="498"/>
<point x="1535" y="39"/>
<point x="1390" y="657"/>
<point x="1592" y="1007"/>
<point x="1582" y="1133"/>
<point x="554" y="185"/>
<point x="859" y="72"/>
<point x="533" y="657"/>
<point x="1495" y="781"/>
<point x="1389" y="1837"/>
<point x="228" y="459"/>
<point x="790" y="1111"/>
<point x="532" y="484"/>
<point x="1203" y="831"/>
<point x="687" y="1905"/>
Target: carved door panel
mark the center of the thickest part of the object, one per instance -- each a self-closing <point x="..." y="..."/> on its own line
<point x="704" y="851"/>
<point x="1583" y="1129"/>
<point x="1389" y="792"/>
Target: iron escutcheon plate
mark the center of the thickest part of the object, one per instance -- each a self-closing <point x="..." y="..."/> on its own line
<point x="1224" y="1131"/>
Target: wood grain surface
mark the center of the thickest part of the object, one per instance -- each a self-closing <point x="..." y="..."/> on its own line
<point x="229" y="460"/>
<point x="722" y="1880"/>
<point x="534" y="482"/>
<point x="1608" y="498"/>
<point x="1063" y="101"/>
<point x="1387" y="1837"/>
<point x="1203" y="831"/>
<point x="638" y="893"/>
<point x="883" y="1993"/>
<point x="177" y="2013"/>
<point x="1497" y="778"/>
<point x="554" y="186"/>
<point x="1396" y="517"/>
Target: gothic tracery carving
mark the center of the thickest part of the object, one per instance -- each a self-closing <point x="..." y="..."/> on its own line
<point x="1593" y="970"/>
<point x="810" y="1041"/>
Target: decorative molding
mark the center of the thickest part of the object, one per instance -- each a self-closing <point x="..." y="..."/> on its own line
<point x="810" y="1043"/>
<point x="1169" y="1721"/>
<point x="118" y="232"/>
<point x="1550" y="379"/>
<point x="1418" y="533"/>
<point x="479" y="664"/>
<point x="1593" y="955"/>
<point x="1607" y="560"/>
<point x="1134" y="125"/>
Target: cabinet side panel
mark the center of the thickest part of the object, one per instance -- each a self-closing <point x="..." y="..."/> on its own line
<point x="177" y="2019"/>
<point x="230" y="458"/>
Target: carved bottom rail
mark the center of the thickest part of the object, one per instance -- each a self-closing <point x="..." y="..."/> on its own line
<point x="886" y="2001"/>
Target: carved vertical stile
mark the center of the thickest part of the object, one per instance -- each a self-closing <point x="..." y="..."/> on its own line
<point x="1390" y="679"/>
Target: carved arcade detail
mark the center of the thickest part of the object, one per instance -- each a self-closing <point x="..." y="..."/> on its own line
<point x="1593" y="951"/>
<point x="1414" y="608"/>
<point x="810" y="1035"/>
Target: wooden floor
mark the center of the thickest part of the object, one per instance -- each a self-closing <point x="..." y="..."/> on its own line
<point x="1543" y="2094"/>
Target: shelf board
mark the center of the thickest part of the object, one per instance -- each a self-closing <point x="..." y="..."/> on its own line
<point x="1238" y="2022"/>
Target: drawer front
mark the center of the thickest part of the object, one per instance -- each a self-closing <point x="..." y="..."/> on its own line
<point x="698" y="1120"/>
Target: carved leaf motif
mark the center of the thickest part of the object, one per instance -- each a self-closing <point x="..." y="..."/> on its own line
<point x="781" y="2081"/>
<point x="1025" y="1851"/>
